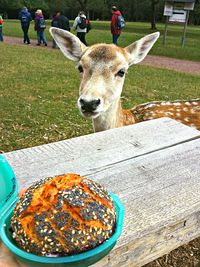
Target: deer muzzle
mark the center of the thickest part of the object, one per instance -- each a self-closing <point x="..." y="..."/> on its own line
<point x="89" y="108"/>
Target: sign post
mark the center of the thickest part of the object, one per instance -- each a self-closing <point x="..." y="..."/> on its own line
<point x="165" y="32"/>
<point x="177" y="11"/>
<point x="184" y="30"/>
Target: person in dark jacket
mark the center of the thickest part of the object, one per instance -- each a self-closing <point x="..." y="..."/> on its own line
<point x="25" y="18"/>
<point x="60" y="21"/>
<point x="40" y="27"/>
<point x="63" y="22"/>
<point x="115" y="30"/>
<point x="54" y="23"/>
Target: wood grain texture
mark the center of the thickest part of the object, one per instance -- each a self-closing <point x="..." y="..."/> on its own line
<point x="152" y="166"/>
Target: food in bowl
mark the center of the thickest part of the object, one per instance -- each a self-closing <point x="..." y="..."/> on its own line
<point x="63" y="215"/>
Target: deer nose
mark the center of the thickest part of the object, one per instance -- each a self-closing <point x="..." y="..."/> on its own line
<point x="89" y="106"/>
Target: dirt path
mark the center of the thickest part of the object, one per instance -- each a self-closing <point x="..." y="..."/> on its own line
<point x="186" y="66"/>
<point x="19" y="41"/>
<point x="156" y="61"/>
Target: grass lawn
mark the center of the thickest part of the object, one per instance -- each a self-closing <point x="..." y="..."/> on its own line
<point x="134" y="30"/>
<point x="39" y="91"/>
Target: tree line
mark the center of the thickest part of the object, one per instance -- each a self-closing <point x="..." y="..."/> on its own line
<point x="132" y="10"/>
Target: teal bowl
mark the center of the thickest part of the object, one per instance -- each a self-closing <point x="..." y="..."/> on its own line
<point x="8" y="201"/>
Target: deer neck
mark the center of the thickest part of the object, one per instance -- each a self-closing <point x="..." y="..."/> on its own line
<point x="112" y="118"/>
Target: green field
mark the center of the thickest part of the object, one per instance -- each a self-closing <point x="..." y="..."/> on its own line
<point x="132" y="32"/>
<point x="39" y="91"/>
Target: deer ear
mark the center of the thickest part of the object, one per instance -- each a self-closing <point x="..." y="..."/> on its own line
<point x="68" y="43"/>
<point x="138" y="50"/>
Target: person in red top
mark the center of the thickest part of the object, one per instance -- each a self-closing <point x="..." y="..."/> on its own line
<point x="1" y="29"/>
<point x="115" y="30"/>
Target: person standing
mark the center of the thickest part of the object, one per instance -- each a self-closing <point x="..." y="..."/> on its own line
<point x="54" y="23"/>
<point x="40" y="27"/>
<point x="63" y="22"/>
<point x="60" y="21"/>
<point x="80" y="26"/>
<point x="115" y="30"/>
<point x="1" y="29"/>
<point x="25" y="18"/>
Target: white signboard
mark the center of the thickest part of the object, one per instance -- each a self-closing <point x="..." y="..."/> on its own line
<point x="168" y="9"/>
<point x="178" y="16"/>
<point x="189" y="6"/>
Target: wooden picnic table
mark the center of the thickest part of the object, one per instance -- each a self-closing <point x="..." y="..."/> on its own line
<point x="153" y="167"/>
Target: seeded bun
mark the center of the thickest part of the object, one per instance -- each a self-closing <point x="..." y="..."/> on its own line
<point x="63" y="215"/>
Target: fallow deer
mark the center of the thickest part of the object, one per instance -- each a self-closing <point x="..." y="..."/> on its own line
<point x="103" y="68"/>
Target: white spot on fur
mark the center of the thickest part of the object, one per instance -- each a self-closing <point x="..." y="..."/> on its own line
<point x="176" y="103"/>
<point x="151" y="113"/>
<point x="169" y="113"/>
<point x="151" y="105"/>
<point x="163" y="103"/>
<point x="187" y="103"/>
<point x="186" y="119"/>
<point x="150" y="118"/>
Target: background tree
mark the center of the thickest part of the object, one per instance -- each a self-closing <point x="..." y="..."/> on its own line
<point x="7" y="4"/>
<point x="34" y="4"/>
<point x="195" y="15"/>
<point x="153" y="13"/>
<point x="54" y="6"/>
<point x="132" y="10"/>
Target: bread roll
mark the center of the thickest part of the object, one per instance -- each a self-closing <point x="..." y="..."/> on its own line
<point x="63" y="215"/>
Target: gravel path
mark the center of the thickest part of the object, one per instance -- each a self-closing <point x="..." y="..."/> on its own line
<point x="156" y="61"/>
<point x="180" y="65"/>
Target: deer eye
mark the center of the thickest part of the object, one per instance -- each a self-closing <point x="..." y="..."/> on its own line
<point x="121" y="73"/>
<point x="80" y="68"/>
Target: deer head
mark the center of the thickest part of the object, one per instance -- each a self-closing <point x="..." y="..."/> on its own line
<point x="102" y="69"/>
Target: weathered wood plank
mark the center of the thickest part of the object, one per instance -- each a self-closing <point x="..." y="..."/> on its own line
<point x="80" y="155"/>
<point x="163" y="212"/>
<point x="152" y="166"/>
